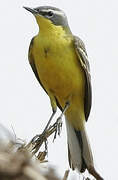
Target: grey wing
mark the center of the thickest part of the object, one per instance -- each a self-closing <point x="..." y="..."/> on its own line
<point x="83" y="58"/>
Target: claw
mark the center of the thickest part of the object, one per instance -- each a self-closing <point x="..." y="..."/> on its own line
<point x="34" y="139"/>
<point x="37" y="141"/>
<point x="58" y="126"/>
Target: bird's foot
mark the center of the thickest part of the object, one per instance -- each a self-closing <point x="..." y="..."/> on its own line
<point x="37" y="142"/>
<point x="58" y="126"/>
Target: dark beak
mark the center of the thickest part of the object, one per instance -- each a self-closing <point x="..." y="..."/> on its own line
<point x="33" y="11"/>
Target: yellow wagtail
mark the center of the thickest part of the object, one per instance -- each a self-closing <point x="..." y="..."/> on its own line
<point x="60" y="64"/>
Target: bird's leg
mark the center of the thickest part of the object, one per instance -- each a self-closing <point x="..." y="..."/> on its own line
<point x="54" y="109"/>
<point x="38" y="140"/>
<point x="54" y="112"/>
<point x="58" y="123"/>
<point x="39" y="136"/>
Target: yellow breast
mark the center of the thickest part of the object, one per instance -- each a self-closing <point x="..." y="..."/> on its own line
<point x="58" y="67"/>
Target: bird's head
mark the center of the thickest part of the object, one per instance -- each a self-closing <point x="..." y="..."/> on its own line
<point x="49" y="17"/>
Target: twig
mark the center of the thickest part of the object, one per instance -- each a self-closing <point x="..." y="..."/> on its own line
<point x="66" y="175"/>
<point x="34" y="145"/>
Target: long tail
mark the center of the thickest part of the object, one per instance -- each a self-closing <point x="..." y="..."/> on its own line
<point x="79" y="151"/>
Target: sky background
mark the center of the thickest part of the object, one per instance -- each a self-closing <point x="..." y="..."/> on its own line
<point x="23" y="103"/>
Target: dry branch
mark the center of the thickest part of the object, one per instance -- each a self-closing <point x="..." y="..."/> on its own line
<point x="16" y="162"/>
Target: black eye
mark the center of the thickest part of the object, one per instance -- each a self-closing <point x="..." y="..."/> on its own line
<point x="50" y="13"/>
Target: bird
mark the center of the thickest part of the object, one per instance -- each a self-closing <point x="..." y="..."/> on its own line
<point x="60" y="63"/>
